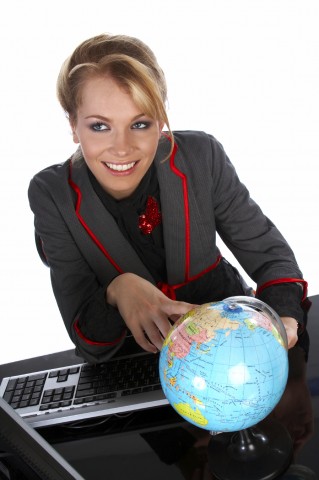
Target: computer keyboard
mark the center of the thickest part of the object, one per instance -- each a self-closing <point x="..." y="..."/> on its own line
<point x="84" y="391"/>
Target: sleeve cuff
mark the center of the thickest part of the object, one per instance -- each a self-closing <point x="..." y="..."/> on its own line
<point x="285" y="298"/>
<point x="97" y="343"/>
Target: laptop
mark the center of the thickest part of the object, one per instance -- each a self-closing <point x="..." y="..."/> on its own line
<point x="124" y="383"/>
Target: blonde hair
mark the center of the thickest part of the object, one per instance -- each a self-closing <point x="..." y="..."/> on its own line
<point x="129" y="61"/>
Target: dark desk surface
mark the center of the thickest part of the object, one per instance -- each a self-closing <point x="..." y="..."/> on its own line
<point x="158" y="444"/>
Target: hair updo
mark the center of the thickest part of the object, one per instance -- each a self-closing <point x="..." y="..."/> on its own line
<point x="129" y="61"/>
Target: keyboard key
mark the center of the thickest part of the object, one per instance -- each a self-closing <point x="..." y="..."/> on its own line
<point x="30" y="384"/>
<point x="40" y="382"/>
<point x="11" y="384"/>
<point x="84" y="380"/>
<point x="57" y="391"/>
<point x="67" y="396"/>
<point x="8" y="396"/>
<point x="89" y="399"/>
<point x="111" y="395"/>
<point x="16" y="398"/>
<point x="46" y="400"/>
<point x="35" y="395"/>
<point x="69" y="389"/>
<point x="104" y="389"/>
<point x="125" y="393"/>
<point x="87" y="368"/>
<point x="74" y="370"/>
<point x="38" y="376"/>
<point x="85" y="393"/>
<point x="48" y="393"/>
<point x="148" y="388"/>
<point x="85" y="386"/>
<point x="100" y="397"/>
<point x="136" y="390"/>
<point x="44" y="407"/>
<point x="26" y="397"/>
<point x="20" y="386"/>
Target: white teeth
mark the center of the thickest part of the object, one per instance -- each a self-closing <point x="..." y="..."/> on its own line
<point x="119" y="167"/>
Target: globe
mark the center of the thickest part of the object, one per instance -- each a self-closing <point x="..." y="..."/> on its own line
<point x="224" y="365"/>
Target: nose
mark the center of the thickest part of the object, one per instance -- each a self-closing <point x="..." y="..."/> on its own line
<point x="121" y="145"/>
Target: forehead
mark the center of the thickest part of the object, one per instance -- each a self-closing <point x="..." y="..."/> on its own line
<point x="104" y="92"/>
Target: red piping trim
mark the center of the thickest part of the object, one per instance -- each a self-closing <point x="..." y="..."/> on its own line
<point x="90" y="342"/>
<point x="186" y="211"/>
<point x="169" y="290"/>
<point x="86" y="227"/>
<point x="103" y="250"/>
<point x="286" y="280"/>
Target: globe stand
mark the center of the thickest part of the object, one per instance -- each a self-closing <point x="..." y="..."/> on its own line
<point x="261" y="452"/>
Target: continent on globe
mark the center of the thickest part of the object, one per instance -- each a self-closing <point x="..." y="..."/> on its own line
<point x="195" y="416"/>
<point x="224" y="365"/>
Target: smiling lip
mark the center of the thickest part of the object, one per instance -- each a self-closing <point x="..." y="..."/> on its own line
<point x="120" y="168"/>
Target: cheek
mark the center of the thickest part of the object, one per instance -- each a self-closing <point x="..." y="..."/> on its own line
<point x="91" y="149"/>
<point x="150" y="147"/>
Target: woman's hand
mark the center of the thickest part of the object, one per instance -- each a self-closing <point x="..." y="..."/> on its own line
<point x="291" y="327"/>
<point x="147" y="312"/>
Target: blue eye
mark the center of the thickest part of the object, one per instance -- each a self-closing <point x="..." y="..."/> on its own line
<point x="98" y="127"/>
<point x="141" y="125"/>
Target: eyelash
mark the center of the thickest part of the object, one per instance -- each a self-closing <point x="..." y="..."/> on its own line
<point x="96" y="126"/>
<point x="146" y="125"/>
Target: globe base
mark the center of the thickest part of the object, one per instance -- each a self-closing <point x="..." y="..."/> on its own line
<point x="261" y="452"/>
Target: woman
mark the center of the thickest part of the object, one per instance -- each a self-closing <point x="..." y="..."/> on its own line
<point x="128" y="224"/>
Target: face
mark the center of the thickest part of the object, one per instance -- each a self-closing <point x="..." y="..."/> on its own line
<point x="117" y="139"/>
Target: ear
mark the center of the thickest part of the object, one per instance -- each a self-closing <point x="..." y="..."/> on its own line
<point x="161" y="126"/>
<point x="74" y="134"/>
<point x="75" y="137"/>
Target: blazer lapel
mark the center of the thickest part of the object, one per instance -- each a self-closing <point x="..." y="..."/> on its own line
<point x="99" y="225"/>
<point x="173" y="215"/>
<point x="187" y="211"/>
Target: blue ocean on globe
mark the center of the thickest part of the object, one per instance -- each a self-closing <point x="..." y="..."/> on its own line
<point x="224" y="365"/>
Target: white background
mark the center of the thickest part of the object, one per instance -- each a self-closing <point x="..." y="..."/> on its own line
<point x="246" y="71"/>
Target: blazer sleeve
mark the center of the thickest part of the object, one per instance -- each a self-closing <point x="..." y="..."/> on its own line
<point x="96" y="329"/>
<point x="250" y="235"/>
<point x="255" y="241"/>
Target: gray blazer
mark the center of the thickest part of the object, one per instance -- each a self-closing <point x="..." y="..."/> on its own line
<point x="200" y="194"/>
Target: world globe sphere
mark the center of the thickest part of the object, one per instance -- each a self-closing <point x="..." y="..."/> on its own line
<point x="224" y="365"/>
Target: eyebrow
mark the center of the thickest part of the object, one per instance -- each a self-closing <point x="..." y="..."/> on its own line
<point x="106" y="119"/>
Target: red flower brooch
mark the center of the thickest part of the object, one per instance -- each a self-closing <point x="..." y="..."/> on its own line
<point x="151" y="218"/>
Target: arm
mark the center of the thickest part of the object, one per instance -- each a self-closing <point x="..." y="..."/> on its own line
<point x="287" y="300"/>
<point x="255" y="242"/>
<point x="78" y="293"/>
